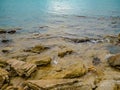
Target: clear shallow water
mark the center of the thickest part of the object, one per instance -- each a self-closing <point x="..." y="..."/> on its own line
<point x="61" y="15"/>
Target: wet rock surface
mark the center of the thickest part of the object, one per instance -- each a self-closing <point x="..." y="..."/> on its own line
<point x="51" y="62"/>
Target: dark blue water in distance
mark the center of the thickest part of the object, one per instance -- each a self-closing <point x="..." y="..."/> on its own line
<point x="59" y="13"/>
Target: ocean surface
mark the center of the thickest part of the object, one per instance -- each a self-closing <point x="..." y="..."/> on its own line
<point x="75" y="17"/>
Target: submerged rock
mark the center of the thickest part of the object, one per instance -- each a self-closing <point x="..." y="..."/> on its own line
<point x="77" y="40"/>
<point x="37" y="49"/>
<point x="96" y="61"/>
<point x="81" y="16"/>
<point x="11" y="31"/>
<point x="41" y="27"/>
<point x="3" y="77"/>
<point x="64" y="52"/>
<point x="18" y="28"/>
<point x="20" y="56"/>
<point x="5" y="41"/>
<point x="56" y="84"/>
<point x="39" y="60"/>
<point x="21" y="67"/>
<point x="85" y="40"/>
<point x="114" y="61"/>
<point x="7" y="50"/>
<point x="2" y="31"/>
<point x="113" y="49"/>
<point x="111" y="39"/>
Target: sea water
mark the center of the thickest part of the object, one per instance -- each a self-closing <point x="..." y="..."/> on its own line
<point x="79" y="17"/>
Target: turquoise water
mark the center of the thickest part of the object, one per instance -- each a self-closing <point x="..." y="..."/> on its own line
<point x="58" y="13"/>
<point x="38" y="7"/>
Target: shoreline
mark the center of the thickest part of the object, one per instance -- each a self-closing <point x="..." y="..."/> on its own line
<point x="36" y="60"/>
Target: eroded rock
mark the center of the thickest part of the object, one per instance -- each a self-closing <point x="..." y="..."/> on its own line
<point x="39" y="60"/>
<point x="74" y="71"/>
<point x="114" y="61"/>
<point x="21" y="67"/>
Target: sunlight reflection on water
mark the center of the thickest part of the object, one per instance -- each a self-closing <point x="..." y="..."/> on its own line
<point x="59" y="7"/>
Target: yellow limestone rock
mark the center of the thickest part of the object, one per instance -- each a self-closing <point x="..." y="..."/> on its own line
<point x="39" y="60"/>
<point x="21" y="67"/>
<point x="75" y="71"/>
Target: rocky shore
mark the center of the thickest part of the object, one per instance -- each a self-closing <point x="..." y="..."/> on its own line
<point x="54" y="62"/>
